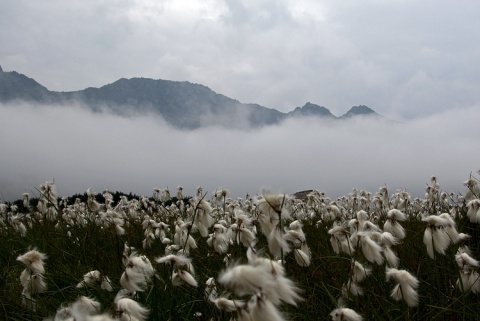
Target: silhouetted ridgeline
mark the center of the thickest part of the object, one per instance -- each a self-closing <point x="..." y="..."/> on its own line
<point x="182" y="104"/>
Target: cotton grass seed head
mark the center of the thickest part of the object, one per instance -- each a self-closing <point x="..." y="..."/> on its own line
<point x="345" y="314"/>
<point x="33" y="261"/>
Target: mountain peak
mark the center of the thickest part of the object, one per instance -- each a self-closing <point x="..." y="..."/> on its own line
<point x="1" y="70"/>
<point x="360" y="110"/>
<point x="310" y="109"/>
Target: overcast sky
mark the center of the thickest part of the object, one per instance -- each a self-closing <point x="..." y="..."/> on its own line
<point x="414" y="61"/>
<point x="404" y="59"/>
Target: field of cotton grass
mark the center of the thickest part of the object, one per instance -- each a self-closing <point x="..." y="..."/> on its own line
<point x="366" y="256"/>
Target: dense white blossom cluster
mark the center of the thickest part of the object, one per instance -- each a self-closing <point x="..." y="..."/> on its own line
<point x="364" y="227"/>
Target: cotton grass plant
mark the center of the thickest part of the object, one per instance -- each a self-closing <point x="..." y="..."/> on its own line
<point x="32" y="278"/>
<point x="273" y="256"/>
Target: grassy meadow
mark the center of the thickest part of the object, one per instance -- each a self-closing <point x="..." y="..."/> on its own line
<point x="371" y="255"/>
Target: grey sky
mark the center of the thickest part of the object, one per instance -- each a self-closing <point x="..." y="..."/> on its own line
<point x="408" y="60"/>
<point x="404" y="59"/>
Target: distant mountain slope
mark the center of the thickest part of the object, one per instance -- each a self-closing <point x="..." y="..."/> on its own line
<point x="182" y="104"/>
<point x="17" y="86"/>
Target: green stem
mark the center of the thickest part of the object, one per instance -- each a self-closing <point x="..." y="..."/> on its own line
<point x="193" y="219"/>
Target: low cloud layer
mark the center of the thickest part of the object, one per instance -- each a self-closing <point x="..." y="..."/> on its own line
<point x="80" y="149"/>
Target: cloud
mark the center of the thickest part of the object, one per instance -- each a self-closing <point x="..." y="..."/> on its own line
<point x="80" y="149"/>
<point x="405" y="59"/>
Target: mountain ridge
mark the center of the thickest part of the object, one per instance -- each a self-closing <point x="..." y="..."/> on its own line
<point x="182" y="104"/>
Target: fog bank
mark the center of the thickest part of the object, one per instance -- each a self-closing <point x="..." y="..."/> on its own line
<point x="80" y="149"/>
